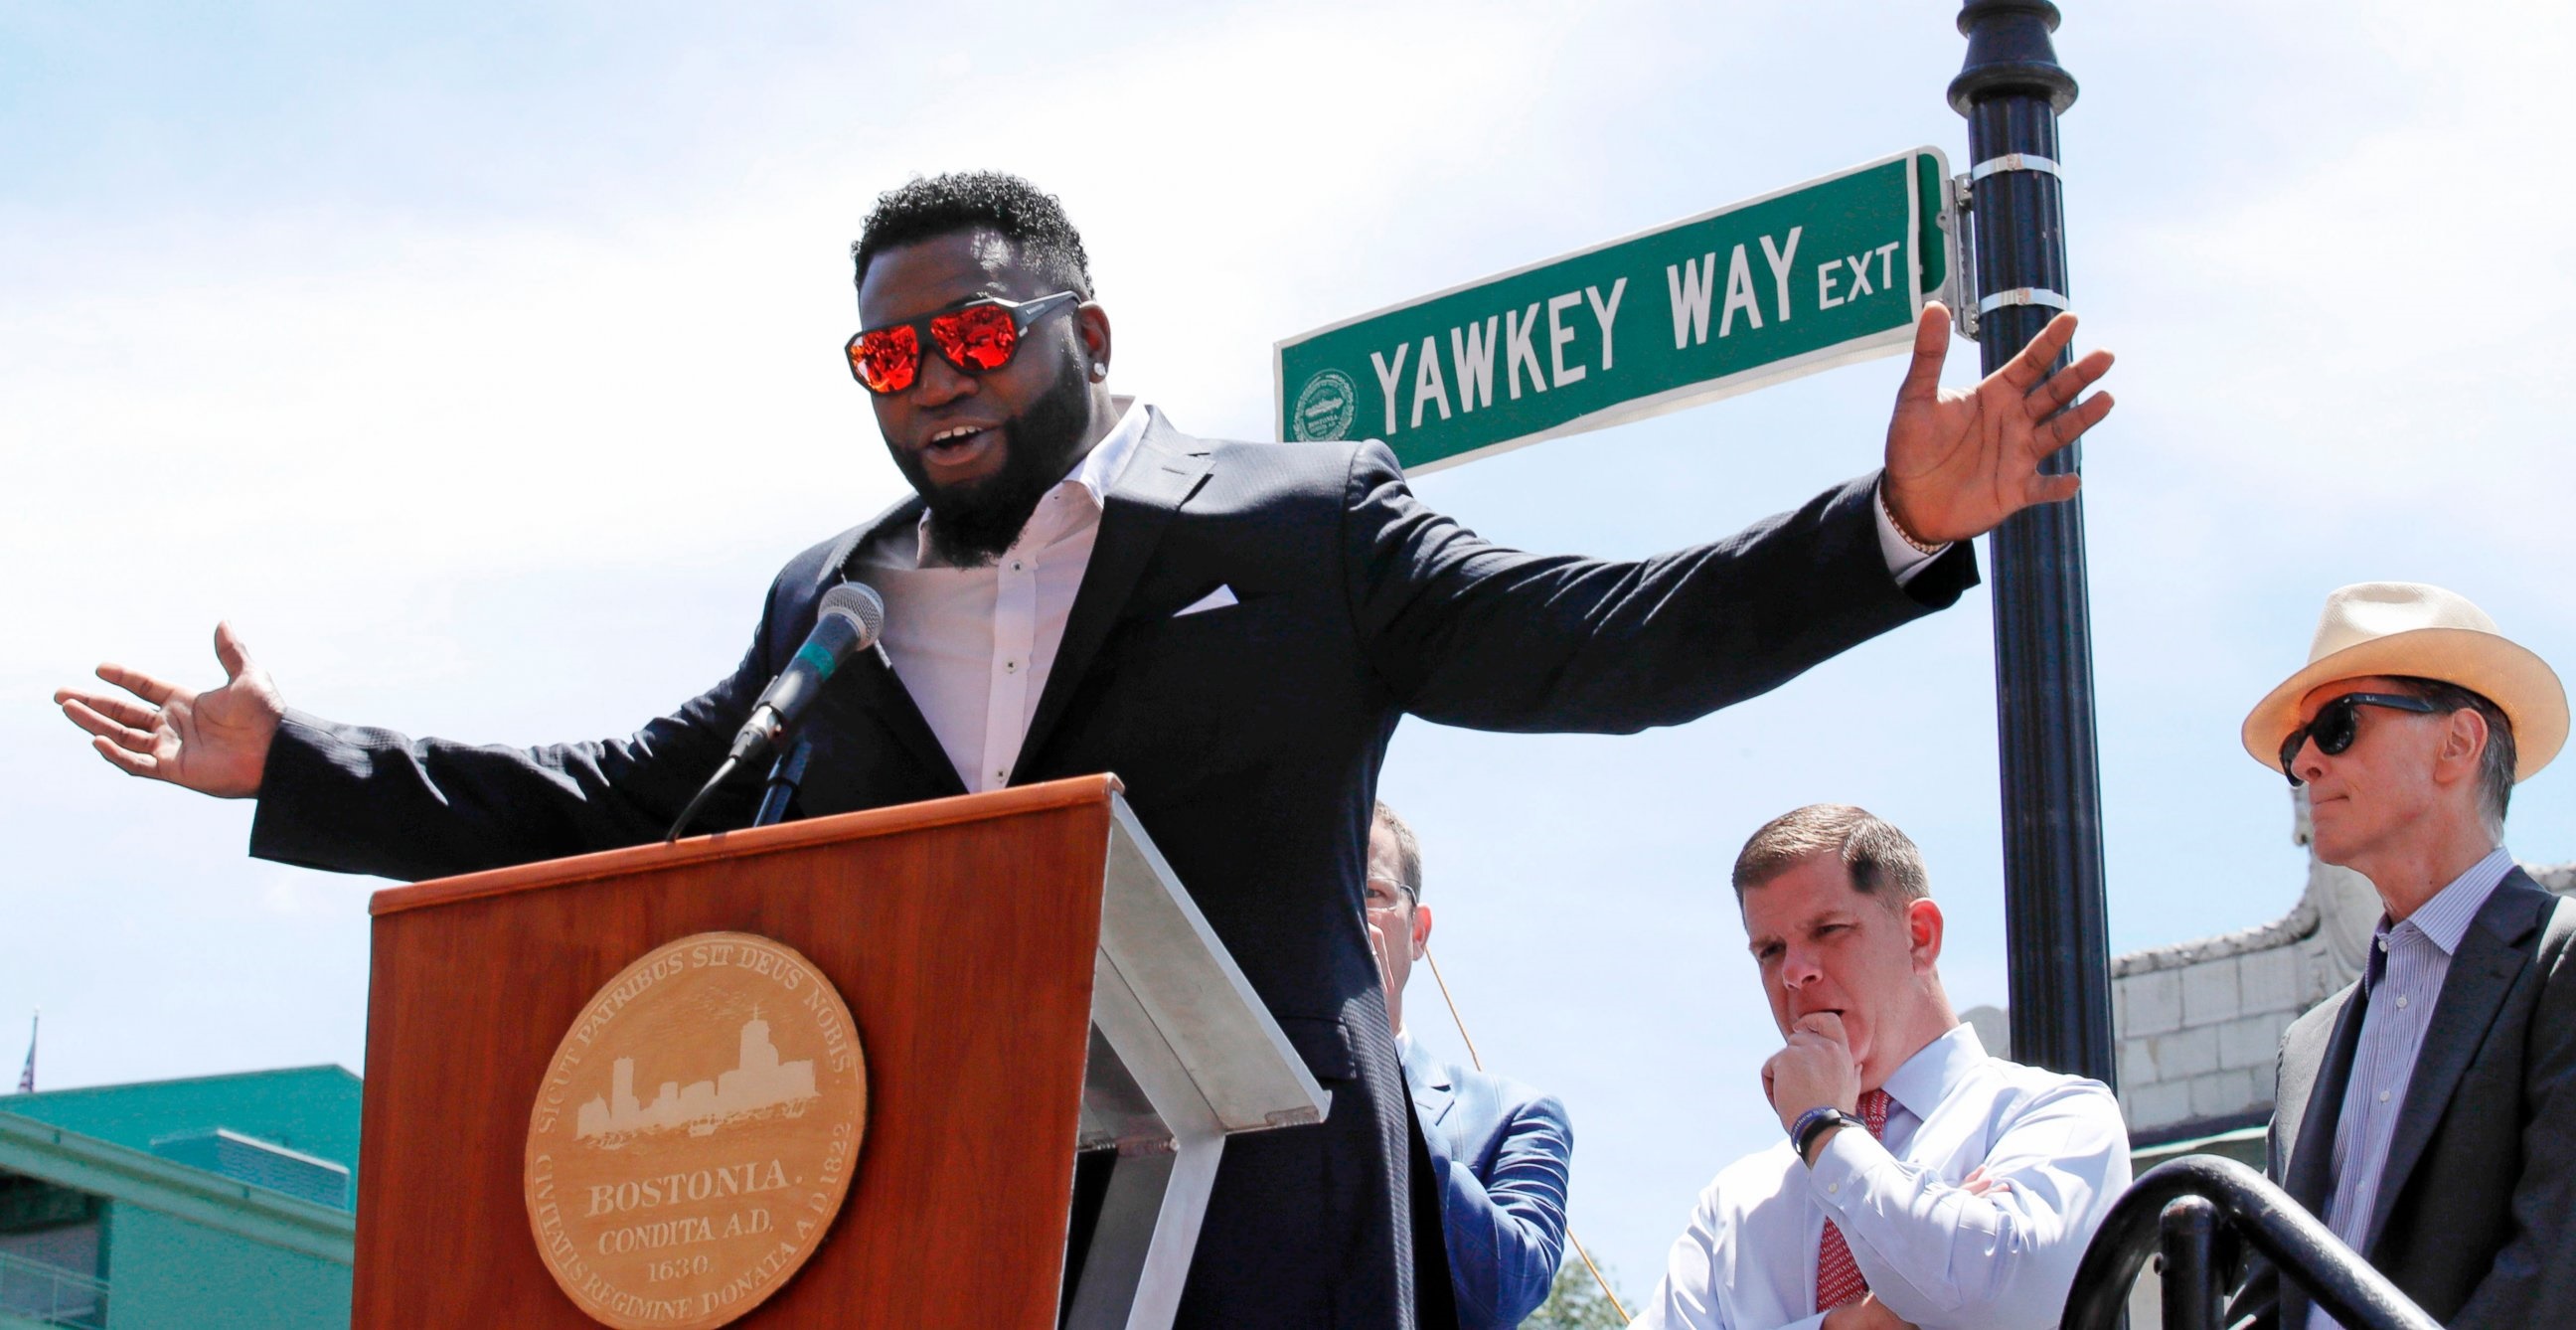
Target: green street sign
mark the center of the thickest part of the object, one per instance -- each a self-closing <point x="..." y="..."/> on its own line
<point x="1817" y="275"/>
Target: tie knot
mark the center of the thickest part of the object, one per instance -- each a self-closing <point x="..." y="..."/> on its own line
<point x="1873" y="1111"/>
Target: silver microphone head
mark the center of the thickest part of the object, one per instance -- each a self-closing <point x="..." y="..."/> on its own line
<point x="861" y="602"/>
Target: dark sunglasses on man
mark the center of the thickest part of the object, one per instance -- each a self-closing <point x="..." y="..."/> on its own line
<point x="976" y="337"/>
<point x="2339" y="721"/>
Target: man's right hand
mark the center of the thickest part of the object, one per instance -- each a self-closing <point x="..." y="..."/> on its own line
<point x="1377" y="951"/>
<point x="1815" y="1071"/>
<point x="214" y="742"/>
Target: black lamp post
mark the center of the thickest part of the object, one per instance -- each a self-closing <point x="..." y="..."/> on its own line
<point x="2011" y="91"/>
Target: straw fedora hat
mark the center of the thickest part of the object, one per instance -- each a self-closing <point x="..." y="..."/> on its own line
<point x="2408" y="628"/>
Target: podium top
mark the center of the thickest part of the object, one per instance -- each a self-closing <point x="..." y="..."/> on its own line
<point x="1072" y="792"/>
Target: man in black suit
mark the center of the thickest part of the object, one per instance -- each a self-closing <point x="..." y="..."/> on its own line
<point x="2428" y="1113"/>
<point x="1233" y="628"/>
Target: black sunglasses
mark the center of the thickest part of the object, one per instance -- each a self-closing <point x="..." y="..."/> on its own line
<point x="2338" y="721"/>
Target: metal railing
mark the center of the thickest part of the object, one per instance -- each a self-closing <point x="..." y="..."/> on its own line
<point x="51" y="1294"/>
<point x="2186" y="1210"/>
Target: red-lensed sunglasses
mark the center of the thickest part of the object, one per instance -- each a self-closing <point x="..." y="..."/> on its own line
<point x="975" y="337"/>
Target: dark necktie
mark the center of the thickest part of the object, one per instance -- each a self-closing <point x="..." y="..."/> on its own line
<point x="1838" y="1279"/>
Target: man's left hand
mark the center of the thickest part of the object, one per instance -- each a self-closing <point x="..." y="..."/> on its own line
<point x="1865" y="1312"/>
<point x="1959" y="463"/>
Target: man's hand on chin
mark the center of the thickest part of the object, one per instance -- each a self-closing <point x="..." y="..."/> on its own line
<point x="1865" y="1312"/>
<point x="1815" y="1070"/>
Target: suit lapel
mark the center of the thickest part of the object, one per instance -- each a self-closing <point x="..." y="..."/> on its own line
<point x="1165" y="471"/>
<point x="871" y="681"/>
<point x="2473" y="991"/>
<point x="1433" y="1095"/>
<point x="2311" y="1168"/>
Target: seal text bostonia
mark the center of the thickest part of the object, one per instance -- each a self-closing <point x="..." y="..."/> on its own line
<point x="703" y="1184"/>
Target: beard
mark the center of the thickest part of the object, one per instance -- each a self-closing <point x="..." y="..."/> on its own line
<point x="973" y="524"/>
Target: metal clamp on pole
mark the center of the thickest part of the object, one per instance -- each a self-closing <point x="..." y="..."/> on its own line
<point x="2022" y="295"/>
<point x="2015" y="161"/>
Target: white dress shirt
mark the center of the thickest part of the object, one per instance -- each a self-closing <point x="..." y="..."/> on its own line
<point x="2403" y="982"/>
<point x="1936" y="1255"/>
<point x="974" y="645"/>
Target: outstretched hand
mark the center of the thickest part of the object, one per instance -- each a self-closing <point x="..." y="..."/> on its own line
<point x="214" y="742"/>
<point x="1959" y="463"/>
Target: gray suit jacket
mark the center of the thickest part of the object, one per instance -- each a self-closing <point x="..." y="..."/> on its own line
<point x="1249" y="738"/>
<point x="2476" y="1218"/>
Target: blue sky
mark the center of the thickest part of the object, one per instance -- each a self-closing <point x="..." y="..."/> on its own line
<point x="389" y="335"/>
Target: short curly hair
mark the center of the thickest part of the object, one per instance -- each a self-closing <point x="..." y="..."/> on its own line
<point x="1030" y="218"/>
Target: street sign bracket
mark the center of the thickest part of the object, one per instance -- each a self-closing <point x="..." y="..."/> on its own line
<point x="1963" y="256"/>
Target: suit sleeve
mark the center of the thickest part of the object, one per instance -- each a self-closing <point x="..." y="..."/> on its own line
<point x="357" y="800"/>
<point x="2533" y="1281"/>
<point x="1506" y="1230"/>
<point x="1465" y="632"/>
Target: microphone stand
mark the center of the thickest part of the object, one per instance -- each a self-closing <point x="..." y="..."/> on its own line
<point x="785" y="775"/>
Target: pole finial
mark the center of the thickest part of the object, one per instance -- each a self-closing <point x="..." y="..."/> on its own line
<point x="2009" y="51"/>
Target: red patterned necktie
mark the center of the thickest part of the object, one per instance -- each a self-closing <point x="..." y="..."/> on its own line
<point x="1837" y="1279"/>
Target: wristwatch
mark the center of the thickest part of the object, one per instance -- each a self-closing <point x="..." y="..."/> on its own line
<point x="1815" y="1122"/>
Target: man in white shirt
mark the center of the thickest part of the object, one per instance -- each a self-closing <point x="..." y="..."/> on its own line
<point x="1924" y="1183"/>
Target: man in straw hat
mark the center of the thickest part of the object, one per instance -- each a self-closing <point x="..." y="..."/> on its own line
<point x="2428" y="1112"/>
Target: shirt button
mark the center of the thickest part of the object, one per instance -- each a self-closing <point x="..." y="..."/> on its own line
<point x="1013" y="667"/>
<point x="2383" y="1096"/>
<point x="1004" y="775"/>
<point x="1834" y="1188"/>
<point x="1015" y="565"/>
<point x="2401" y="1001"/>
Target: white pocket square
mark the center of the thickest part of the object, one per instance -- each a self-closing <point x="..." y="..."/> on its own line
<point x="1214" y="600"/>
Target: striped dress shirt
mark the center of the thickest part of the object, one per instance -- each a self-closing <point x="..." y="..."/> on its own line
<point x="2399" y="987"/>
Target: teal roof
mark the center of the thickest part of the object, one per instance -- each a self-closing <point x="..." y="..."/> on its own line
<point x="310" y="1109"/>
<point x="160" y="1186"/>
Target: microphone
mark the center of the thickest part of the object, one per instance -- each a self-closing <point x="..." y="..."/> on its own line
<point x="847" y="622"/>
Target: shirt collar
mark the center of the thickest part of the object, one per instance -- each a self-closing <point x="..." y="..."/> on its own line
<point x="2445" y="919"/>
<point x="1095" y="475"/>
<point x="1935" y="1070"/>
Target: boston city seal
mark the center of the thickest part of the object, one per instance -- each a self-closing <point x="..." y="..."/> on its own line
<point x="696" y="1133"/>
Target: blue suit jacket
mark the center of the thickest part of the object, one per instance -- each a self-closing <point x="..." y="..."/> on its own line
<point x="1501" y="1150"/>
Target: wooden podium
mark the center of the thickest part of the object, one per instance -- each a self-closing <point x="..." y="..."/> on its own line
<point x="1027" y="980"/>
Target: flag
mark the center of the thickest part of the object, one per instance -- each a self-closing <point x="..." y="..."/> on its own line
<point x="27" y="1077"/>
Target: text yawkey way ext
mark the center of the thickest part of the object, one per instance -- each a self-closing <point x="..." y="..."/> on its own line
<point x="1820" y="274"/>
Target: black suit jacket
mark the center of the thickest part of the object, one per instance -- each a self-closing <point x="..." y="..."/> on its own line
<point x="1249" y="738"/>
<point x="2476" y="1217"/>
